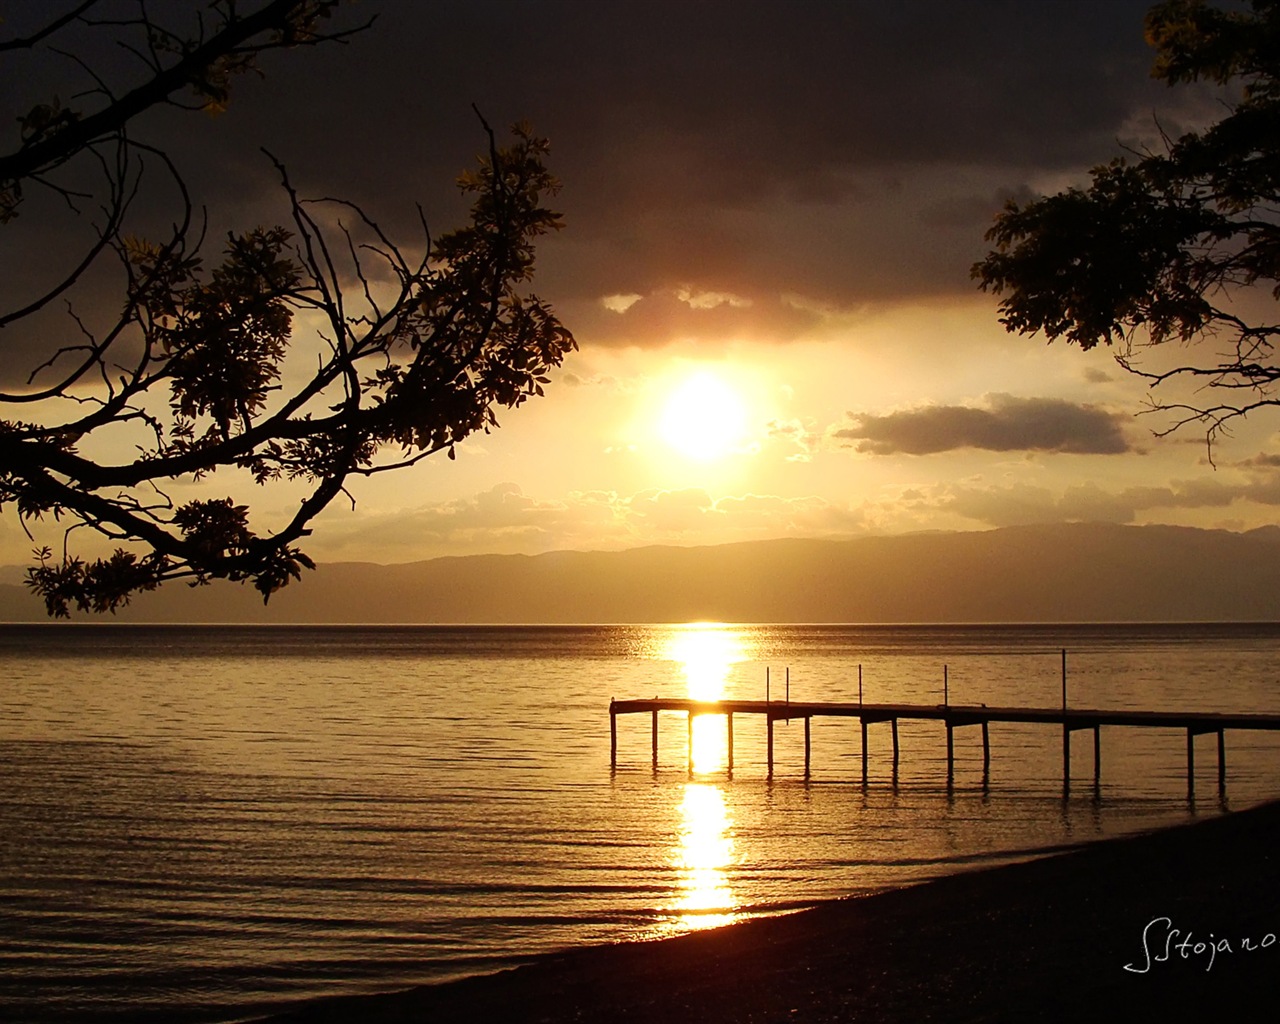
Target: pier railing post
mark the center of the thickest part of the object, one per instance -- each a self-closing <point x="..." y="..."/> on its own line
<point x="1222" y="763"/>
<point x="613" y="736"/>
<point x="806" y="746"/>
<point x="894" y="722"/>
<point x="864" y="751"/>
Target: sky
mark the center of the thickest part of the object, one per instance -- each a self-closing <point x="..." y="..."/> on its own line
<point x="771" y="211"/>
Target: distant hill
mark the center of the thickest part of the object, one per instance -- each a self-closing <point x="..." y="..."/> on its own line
<point x="1053" y="573"/>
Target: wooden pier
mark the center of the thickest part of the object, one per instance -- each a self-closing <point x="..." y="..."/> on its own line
<point x="953" y="717"/>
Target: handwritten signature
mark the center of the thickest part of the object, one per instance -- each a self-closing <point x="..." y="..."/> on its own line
<point x="1160" y="935"/>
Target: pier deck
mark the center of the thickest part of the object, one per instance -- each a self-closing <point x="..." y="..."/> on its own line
<point x="952" y="716"/>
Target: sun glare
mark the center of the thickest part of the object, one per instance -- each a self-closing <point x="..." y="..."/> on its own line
<point x="707" y="653"/>
<point x="704" y="418"/>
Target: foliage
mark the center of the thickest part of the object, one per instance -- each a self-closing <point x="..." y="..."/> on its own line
<point x="1160" y="246"/>
<point x="301" y="356"/>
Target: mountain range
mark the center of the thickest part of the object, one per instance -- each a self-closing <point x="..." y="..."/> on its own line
<point x="1071" y="572"/>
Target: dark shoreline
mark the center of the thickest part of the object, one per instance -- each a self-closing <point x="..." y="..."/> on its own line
<point x="1044" y="940"/>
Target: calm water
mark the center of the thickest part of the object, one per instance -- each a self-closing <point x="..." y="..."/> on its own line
<point x="211" y="823"/>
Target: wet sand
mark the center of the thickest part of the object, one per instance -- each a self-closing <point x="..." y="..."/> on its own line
<point x="1046" y="940"/>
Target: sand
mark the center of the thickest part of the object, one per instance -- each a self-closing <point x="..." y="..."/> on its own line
<point x="1046" y="940"/>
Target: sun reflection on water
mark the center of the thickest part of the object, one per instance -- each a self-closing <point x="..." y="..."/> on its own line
<point x="706" y="652"/>
<point x="705" y="851"/>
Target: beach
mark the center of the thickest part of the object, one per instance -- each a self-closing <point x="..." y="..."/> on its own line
<point x="1179" y="924"/>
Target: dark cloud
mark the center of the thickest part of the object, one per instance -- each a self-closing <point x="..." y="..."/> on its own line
<point x="844" y="151"/>
<point x="752" y="95"/>
<point x="1263" y="460"/>
<point x="672" y="315"/>
<point x="1006" y="424"/>
<point x="693" y="137"/>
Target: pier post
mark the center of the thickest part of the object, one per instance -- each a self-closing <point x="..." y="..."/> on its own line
<point x="1066" y="758"/>
<point x="655" y="739"/>
<point x="729" y="716"/>
<point x="864" y="751"/>
<point x="1191" y="764"/>
<point x="894" y="723"/>
<point x="950" y="752"/>
<point x="1222" y="763"/>
<point x="806" y="746"/>
<point x="690" y="718"/>
<point x="769" y="745"/>
<point x="613" y="737"/>
<point x="986" y="750"/>
<point x="1097" y="756"/>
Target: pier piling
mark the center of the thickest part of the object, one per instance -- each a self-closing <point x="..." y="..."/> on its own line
<point x="1066" y="758"/>
<point x="1191" y="764"/>
<point x="1097" y="757"/>
<point x="1222" y="762"/>
<point x="655" y="739"/>
<point x="690" y="717"/>
<point x="769" y="718"/>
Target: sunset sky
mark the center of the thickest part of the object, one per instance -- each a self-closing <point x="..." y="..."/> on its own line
<point x="771" y="212"/>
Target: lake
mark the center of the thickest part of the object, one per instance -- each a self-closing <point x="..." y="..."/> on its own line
<point x="209" y="823"/>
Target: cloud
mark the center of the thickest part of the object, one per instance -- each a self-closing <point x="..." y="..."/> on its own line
<point x="672" y="511"/>
<point x="1007" y="423"/>
<point x="672" y="314"/>
<point x="688" y="142"/>
<point x="795" y="432"/>
<point x="503" y="519"/>
<point x="620" y="303"/>
<point x="1025" y="504"/>
<point x="744" y="149"/>
<point x="1263" y="460"/>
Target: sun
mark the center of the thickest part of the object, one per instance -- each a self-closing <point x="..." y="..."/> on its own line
<point x="704" y="418"/>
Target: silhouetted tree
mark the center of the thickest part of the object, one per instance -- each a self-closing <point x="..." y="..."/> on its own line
<point x="1159" y="246"/>
<point x="395" y="354"/>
